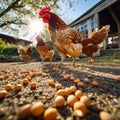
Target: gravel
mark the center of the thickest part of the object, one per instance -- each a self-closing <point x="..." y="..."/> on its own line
<point x="105" y="97"/>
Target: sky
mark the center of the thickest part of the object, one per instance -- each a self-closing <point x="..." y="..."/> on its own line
<point x="80" y="7"/>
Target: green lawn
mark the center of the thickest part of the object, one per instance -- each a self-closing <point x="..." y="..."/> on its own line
<point x="103" y="60"/>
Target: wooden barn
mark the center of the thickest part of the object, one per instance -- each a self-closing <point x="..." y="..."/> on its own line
<point x="12" y="40"/>
<point x="103" y="13"/>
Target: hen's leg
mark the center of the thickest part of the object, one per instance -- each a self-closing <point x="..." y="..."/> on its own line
<point x="90" y="59"/>
<point x="63" y="56"/>
<point x="94" y="60"/>
<point x="73" y="61"/>
<point x="51" y="60"/>
<point x="42" y="62"/>
<point x="42" y="59"/>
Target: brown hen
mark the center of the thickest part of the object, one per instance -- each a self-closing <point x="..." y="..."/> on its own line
<point x="25" y="55"/>
<point x="91" y="44"/>
<point x="44" y="49"/>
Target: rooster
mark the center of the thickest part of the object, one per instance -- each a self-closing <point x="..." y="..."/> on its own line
<point x="91" y="44"/>
<point x="25" y="55"/>
<point x="44" y="49"/>
<point x="67" y="40"/>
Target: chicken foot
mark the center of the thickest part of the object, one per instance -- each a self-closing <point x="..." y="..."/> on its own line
<point x="63" y="56"/>
<point x="90" y="59"/>
<point x="73" y="63"/>
<point x="50" y="61"/>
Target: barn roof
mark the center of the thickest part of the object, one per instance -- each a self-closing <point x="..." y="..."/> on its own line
<point x="13" y="40"/>
<point x="95" y="9"/>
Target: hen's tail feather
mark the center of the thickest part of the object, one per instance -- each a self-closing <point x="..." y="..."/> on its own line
<point x="99" y="35"/>
<point x="93" y="33"/>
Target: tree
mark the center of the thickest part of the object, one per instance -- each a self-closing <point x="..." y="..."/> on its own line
<point x="16" y="14"/>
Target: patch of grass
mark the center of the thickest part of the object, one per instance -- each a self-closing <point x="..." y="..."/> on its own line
<point x="109" y="60"/>
<point x="115" y="60"/>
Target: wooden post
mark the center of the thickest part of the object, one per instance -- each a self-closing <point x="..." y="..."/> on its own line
<point x="117" y="22"/>
<point x="89" y="26"/>
<point x="96" y="20"/>
<point x="97" y="26"/>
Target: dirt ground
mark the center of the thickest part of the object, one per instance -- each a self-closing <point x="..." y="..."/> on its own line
<point x="105" y="97"/>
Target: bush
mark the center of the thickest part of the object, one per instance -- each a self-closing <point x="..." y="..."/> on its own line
<point x="10" y="51"/>
<point x="2" y="45"/>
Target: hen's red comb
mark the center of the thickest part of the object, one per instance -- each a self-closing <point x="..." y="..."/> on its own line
<point x="45" y="9"/>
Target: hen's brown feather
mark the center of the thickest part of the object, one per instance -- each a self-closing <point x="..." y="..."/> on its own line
<point x="89" y="48"/>
<point x="69" y="35"/>
<point x="68" y="42"/>
<point x="99" y="35"/>
<point x="45" y="50"/>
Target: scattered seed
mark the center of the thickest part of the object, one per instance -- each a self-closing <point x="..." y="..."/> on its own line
<point x="33" y="85"/>
<point x="59" y="101"/>
<point x="1" y="77"/>
<point x="3" y="94"/>
<point x="50" y="114"/>
<point x="25" y="81"/>
<point x="71" y="99"/>
<point x="118" y="78"/>
<point x="76" y="81"/>
<point x="81" y="84"/>
<point x="78" y="113"/>
<point x="24" y="111"/>
<point x="68" y="90"/>
<point x="37" y="109"/>
<point x="85" y="100"/>
<point x="51" y="82"/>
<point x="58" y="86"/>
<point x="95" y="83"/>
<point x="80" y="106"/>
<point x="78" y="94"/>
<point x="87" y="80"/>
<point x="62" y="92"/>
<point x="8" y="87"/>
<point x="18" y="87"/>
<point x="73" y="88"/>
<point x="105" y="116"/>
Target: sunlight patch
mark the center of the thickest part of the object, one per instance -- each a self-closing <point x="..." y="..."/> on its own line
<point x="36" y="26"/>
